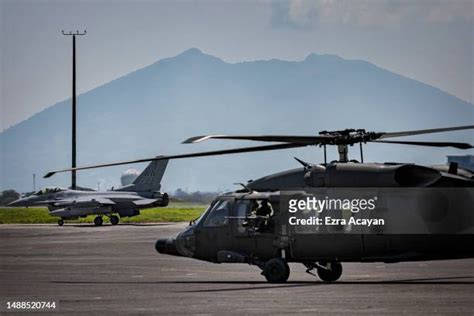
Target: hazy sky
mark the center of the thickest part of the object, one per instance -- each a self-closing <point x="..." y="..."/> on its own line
<point x="431" y="40"/>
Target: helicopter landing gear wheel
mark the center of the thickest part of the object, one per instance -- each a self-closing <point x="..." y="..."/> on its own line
<point x="114" y="220"/>
<point x="331" y="271"/>
<point x="61" y="222"/>
<point x="276" y="270"/>
<point x="98" y="221"/>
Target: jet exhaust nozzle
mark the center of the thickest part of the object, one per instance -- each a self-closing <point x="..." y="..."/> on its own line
<point x="162" y="199"/>
<point x="165" y="199"/>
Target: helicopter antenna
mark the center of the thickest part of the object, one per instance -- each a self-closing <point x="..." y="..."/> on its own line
<point x="244" y="186"/>
<point x="303" y="163"/>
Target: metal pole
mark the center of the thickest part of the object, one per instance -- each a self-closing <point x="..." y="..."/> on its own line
<point x="34" y="182"/>
<point x="342" y="149"/>
<point x="361" y="153"/>
<point x="325" y="157"/>
<point x="73" y="162"/>
<point x="73" y="136"/>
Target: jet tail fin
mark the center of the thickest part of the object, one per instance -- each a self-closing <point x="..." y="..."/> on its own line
<point x="150" y="178"/>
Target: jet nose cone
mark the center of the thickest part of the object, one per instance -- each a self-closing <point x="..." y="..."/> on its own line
<point x="24" y="201"/>
<point x="15" y="203"/>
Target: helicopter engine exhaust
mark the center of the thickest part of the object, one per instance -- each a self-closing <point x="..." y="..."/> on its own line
<point x="416" y="176"/>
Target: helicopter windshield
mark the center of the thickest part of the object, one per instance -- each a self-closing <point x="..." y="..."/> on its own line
<point x="218" y="214"/>
<point x="207" y="211"/>
<point x="199" y="219"/>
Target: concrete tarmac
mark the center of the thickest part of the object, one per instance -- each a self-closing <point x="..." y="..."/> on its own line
<point x="116" y="270"/>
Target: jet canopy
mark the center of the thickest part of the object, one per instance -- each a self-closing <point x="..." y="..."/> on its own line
<point x="48" y="190"/>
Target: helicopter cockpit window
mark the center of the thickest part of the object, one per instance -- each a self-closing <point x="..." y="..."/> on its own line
<point x="218" y="215"/>
<point x="242" y="211"/>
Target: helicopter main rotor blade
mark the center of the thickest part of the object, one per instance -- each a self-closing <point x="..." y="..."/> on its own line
<point x="302" y="140"/>
<point x="429" y="144"/>
<point x="190" y="155"/>
<point x="424" y="131"/>
<point x="328" y="138"/>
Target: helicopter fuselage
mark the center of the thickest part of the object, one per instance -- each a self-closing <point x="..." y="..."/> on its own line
<point x="230" y="232"/>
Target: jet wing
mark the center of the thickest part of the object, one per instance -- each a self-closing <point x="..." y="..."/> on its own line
<point x="83" y="200"/>
<point x="143" y="202"/>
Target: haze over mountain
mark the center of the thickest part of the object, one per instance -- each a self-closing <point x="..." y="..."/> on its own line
<point x="150" y="111"/>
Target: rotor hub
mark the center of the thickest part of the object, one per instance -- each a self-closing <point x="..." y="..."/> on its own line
<point x="348" y="136"/>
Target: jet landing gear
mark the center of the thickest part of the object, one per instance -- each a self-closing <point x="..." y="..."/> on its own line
<point x="276" y="270"/>
<point x="98" y="221"/>
<point x="327" y="271"/>
<point x="114" y="220"/>
<point x="61" y="222"/>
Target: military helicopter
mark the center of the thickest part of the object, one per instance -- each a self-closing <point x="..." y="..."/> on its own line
<point x="251" y="225"/>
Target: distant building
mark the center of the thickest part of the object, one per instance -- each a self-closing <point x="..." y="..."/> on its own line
<point x="465" y="161"/>
<point x="128" y="176"/>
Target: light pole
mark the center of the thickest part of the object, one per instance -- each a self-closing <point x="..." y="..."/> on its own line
<point x="73" y="162"/>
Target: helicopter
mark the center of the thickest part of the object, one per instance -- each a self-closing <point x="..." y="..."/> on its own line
<point x="253" y="225"/>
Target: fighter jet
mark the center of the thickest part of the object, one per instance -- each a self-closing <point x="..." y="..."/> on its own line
<point x="127" y="201"/>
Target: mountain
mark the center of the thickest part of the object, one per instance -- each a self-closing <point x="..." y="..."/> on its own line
<point x="150" y="111"/>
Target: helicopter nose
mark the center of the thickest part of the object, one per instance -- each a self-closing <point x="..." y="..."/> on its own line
<point x="167" y="246"/>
